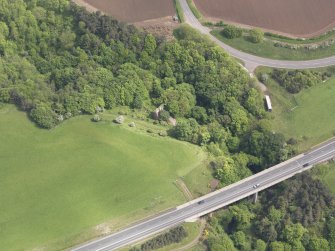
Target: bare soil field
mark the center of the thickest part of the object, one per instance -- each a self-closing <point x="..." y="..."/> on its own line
<point x="300" y="18"/>
<point x="132" y="10"/>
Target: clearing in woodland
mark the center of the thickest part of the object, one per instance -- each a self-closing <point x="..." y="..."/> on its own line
<point x="307" y="116"/>
<point x="300" y="18"/>
<point x="83" y="179"/>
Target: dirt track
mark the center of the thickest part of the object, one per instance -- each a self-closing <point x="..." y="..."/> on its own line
<point x="302" y="18"/>
<point x="134" y="10"/>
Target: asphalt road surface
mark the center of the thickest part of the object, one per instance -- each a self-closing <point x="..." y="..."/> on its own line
<point x="213" y="201"/>
<point x="251" y="61"/>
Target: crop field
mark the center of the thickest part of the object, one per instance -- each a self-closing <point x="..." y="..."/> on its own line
<point x="300" y="18"/>
<point x="83" y="179"/>
<point x="134" y="10"/>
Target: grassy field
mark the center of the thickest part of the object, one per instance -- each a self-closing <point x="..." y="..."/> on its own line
<point x="57" y="186"/>
<point x="326" y="173"/>
<point x="307" y="116"/>
<point x="268" y="50"/>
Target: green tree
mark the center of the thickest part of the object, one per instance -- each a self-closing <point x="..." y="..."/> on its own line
<point x="330" y="233"/>
<point x="240" y="241"/>
<point x="150" y="44"/>
<point x="279" y="246"/>
<point x="256" y="35"/>
<point x="187" y="131"/>
<point x="254" y="103"/>
<point x="259" y="245"/>
<point x="293" y="232"/>
<point x="179" y="101"/>
<point x="316" y="244"/>
<point x="275" y="215"/>
<point x="221" y="243"/>
<point x="164" y="115"/>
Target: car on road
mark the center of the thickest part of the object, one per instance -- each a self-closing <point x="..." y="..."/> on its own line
<point x="305" y="165"/>
<point x="255" y="186"/>
<point x="201" y="202"/>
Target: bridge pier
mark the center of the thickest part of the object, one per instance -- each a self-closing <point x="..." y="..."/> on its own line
<point x="255" y="197"/>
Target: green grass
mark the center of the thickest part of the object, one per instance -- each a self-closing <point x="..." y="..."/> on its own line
<point x="179" y="11"/>
<point x="317" y="39"/>
<point x="55" y="186"/>
<point x="326" y="173"/>
<point x="199" y="247"/>
<point x="194" y="9"/>
<point x="307" y="116"/>
<point x="268" y="50"/>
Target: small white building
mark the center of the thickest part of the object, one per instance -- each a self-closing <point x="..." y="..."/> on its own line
<point x="268" y="103"/>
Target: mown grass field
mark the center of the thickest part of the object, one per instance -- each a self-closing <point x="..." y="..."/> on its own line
<point x="268" y="50"/>
<point x="307" y="116"/>
<point x="56" y="186"/>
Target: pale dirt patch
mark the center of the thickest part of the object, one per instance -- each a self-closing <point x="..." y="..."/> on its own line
<point x="103" y="229"/>
<point x="161" y="26"/>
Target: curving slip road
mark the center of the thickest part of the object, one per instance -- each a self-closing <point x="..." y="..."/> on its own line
<point x="213" y="201"/>
<point x="251" y="61"/>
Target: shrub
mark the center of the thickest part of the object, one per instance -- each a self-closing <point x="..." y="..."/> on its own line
<point x="231" y="32"/>
<point x="96" y="118"/>
<point x="163" y="133"/>
<point x="44" y="116"/>
<point x="220" y="23"/>
<point x="119" y="120"/>
<point x="175" y="235"/>
<point x="256" y="35"/>
<point x="132" y="124"/>
<point x="264" y="77"/>
<point x="164" y="115"/>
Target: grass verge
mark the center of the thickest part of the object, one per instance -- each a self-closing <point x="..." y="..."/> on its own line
<point x="192" y="229"/>
<point x="194" y="9"/>
<point x="83" y="179"/>
<point x="268" y="50"/>
<point x="328" y="35"/>
<point x="307" y="116"/>
<point x="179" y="11"/>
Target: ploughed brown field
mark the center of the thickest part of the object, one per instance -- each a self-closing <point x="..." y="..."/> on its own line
<point x="302" y="18"/>
<point x="134" y="10"/>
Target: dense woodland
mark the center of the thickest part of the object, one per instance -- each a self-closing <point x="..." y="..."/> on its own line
<point x="58" y="61"/>
<point x="296" y="215"/>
